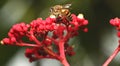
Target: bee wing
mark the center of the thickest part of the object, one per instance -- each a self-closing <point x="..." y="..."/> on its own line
<point x="67" y="5"/>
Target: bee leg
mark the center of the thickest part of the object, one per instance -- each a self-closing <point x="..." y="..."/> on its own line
<point x="69" y="18"/>
<point x="59" y="19"/>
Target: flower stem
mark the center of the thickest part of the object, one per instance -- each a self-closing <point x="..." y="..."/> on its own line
<point x="35" y="40"/>
<point x="62" y="53"/>
<point x="112" y="56"/>
<point x="53" y="54"/>
<point x="26" y="44"/>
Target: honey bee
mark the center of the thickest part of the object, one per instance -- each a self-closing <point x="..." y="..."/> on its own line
<point x="61" y="11"/>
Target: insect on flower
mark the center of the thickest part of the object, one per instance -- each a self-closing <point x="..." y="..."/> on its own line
<point x="61" y="11"/>
<point x="61" y="24"/>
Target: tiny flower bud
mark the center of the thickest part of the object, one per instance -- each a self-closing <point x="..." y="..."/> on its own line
<point x="13" y="39"/>
<point x="85" y="29"/>
<point x="81" y="16"/>
<point x="85" y="22"/>
<point x="2" y="43"/>
<point x="52" y="16"/>
<point x="118" y="34"/>
<point x="6" y="41"/>
<point x="115" y="22"/>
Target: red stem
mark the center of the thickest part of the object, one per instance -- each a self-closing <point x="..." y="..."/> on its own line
<point x="26" y="44"/>
<point x="53" y="54"/>
<point x="62" y="53"/>
<point x="112" y="56"/>
<point x="35" y="40"/>
<point x="45" y="48"/>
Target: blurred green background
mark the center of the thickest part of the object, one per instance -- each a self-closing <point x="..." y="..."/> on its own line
<point x="92" y="48"/>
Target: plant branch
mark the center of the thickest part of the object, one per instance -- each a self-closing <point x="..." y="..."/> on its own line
<point x="62" y="53"/>
<point x="112" y="56"/>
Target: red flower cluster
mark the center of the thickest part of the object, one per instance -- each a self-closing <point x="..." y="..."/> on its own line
<point x="47" y="38"/>
<point x="115" y="22"/>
